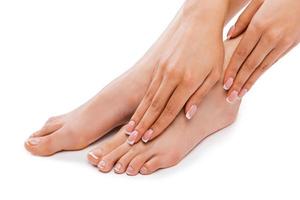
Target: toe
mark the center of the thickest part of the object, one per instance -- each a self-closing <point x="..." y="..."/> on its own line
<point x="108" y="161"/>
<point x="136" y="163"/>
<point x="152" y="165"/>
<point x="127" y="158"/>
<point x="46" y="145"/>
<point x="49" y="127"/>
<point x="95" y="155"/>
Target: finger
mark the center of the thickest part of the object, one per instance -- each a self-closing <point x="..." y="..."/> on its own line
<point x="157" y="105"/>
<point x="244" y="48"/>
<point x="201" y="92"/>
<point x="244" y="19"/>
<point x="269" y="60"/>
<point x="180" y="96"/>
<point x="174" y="106"/>
<point x="263" y="48"/>
<point x="145" y="103"/>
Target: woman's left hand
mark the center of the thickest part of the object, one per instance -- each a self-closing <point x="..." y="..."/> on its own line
<point x="272" y="29"/>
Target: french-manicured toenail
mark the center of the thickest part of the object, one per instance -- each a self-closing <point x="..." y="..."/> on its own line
<point x="33" y="141"/>
<point x="232" y="97"/>
<point x="147" y="135"/>
<point x="228" y="84"/>
<point x="144" y="170"/>
<point x="132" y="137"/>
<point x="93" y="155"/>
<point x="102" y="164"/>
<point x="118" y="167"/>
<point x="130" y="170"/>
<point x="243" y="92"/>
<point x="129" y="128"/>
<point x="191" y="112"/>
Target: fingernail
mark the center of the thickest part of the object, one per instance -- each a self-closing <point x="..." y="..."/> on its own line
<point x="147" y="135"/>
<point x="130" y="170"/>
<point x="33" y="141"/>
<point x="118" y="167"/>
<point x="191" y="112"/>
<point x="102" y="164"/>
<point x="143" y="170"/>
<point x="232" y="97"/>
<point x="129" y="128"/>
<point x="243" y="92"/>
<point x="132" y="137"/>
<point x="93" y="156"/>
<point x="230" y="32"/>
<point x="228" y="84"/>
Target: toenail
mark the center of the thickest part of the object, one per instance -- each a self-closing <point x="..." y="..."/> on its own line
<point x="102" y="164"/>
<point x="144" y="170"/>
<point x="147" y="135"/>
<point x="132" y="137"/>
<point x="33" y="141"/>
<point x="93" y="156"/>
<point x="130" y="127"/>
<point x="130" y="170"/>
<point x="232" y="97"/>
<point x="118" y="167"/>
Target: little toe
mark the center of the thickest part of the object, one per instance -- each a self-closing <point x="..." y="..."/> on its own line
<point x="46" y="145"/>
<point x="108" y="161"/>
<point x="152" y="165"/>
<point x="136" y="163"/>
<point x="95" y="155"/>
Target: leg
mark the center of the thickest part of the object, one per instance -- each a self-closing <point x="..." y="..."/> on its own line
<point x="213" y="114"/>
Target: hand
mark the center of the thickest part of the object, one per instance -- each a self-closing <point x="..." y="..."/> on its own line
<point x="189" y="65"/>
<point x="272" y="29"/>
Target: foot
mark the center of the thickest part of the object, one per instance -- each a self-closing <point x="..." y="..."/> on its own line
<point x="81" y="127"/>
<point x="175" y="143"/>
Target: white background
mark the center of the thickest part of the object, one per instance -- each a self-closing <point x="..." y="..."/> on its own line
<point x="54" y="55"/>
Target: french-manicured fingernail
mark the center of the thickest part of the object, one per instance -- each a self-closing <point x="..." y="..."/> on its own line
<point x="33" y="141"/>
<point x="147" y="135"/>
<point x="129" y="127"/>
<point x="118" y="168"/>
<point x="130" y="170"/>
<point x="228" y="84"/>
<point x="102" y="164"/>
<point x="143" y="170"/>
<point x="131" y="139"/>
<point x="243" y="92"/>
<point x="93" y="155"/>
<point x="230" y="32"/>
<point x="191" y="112"/>
<point x="232" y="97"/>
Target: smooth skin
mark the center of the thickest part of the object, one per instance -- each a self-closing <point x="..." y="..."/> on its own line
<point x="187" y="68"/>
<point x="178" y="140"/>
<point x="272" y="28"/>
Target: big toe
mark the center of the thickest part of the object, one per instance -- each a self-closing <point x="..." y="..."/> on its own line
<point x="45" y="145"/>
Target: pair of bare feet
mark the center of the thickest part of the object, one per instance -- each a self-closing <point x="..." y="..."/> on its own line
<point x="113" y="106"/>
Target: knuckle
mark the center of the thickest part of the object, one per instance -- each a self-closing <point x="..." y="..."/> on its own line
<point x="256" y="26"/>
<point x="249" y="66"/>
<point x="173" y="72"/>
<point x="155" y="106"/>
<point x="170" y="111"/>
<point x="287" y="41"/>
<point x="271" y="36"/>
<point x="264" y="66"/>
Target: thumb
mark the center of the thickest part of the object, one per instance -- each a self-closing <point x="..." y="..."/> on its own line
<point x="244" y="19"/>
